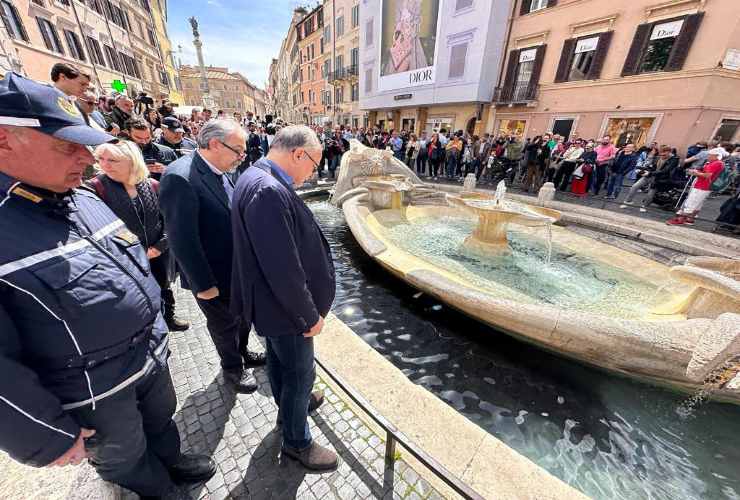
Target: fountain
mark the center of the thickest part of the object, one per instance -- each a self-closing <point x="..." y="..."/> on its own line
<point x="494" y="214"/>
<point x="486" y="255"/>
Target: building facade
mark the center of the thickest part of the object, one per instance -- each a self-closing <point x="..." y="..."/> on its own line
<point x="342" y="66"/>
<point x="639" y="71"/>
<point x="110" y="40"/>
<point x="430" y="64"/>
<point x="159" y="21"/>
<point x="230" y="92"/>
<point x="309" y="31"/>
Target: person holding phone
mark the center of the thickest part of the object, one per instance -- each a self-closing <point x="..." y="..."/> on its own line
<point x="156" y="156"/>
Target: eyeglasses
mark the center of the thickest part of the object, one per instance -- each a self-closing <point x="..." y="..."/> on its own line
<point x="312" y="160"/>
<point x="238" y="153"/>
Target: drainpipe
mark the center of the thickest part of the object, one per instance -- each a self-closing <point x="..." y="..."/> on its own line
<point x="334" y="56"/>
<point x="82" y="32"/>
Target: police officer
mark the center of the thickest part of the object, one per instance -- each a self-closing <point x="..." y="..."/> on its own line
<point x="156" y="156"/>
<point x="83" y="348"/>
<point x="173" y="137"/>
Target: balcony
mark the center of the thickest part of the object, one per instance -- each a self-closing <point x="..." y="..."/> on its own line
<point x="348" y="74"/>
<point x="520" y="93"/>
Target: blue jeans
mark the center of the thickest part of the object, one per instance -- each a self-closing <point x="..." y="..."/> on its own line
<point x="291" y="370"/>
<point x="614" y="186"/>
<point x="451" y="164"/>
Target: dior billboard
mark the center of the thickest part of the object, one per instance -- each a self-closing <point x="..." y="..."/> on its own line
<point x="408" y="43"/>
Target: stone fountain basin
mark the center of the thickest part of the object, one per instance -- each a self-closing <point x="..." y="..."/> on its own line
<point x="657" y="348"/>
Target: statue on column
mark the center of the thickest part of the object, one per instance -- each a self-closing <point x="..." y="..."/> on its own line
<point x="194" y="25"/>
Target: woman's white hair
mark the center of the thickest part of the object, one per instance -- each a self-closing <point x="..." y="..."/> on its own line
<point x="127" y="149"/>
<point x="295" y="136"/>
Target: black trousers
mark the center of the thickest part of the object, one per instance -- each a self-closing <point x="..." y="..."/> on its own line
<point x="562" y="178"/>
<point x="159" y="271"/>
<point x="228" y="333"/>
<point x="135" y="439"/>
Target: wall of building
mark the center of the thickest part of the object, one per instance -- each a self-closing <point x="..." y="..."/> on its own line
<point x="309" y="53"/>
<point x="681" y="106"/>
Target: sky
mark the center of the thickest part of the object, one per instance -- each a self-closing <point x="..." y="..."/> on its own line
<point x="243" y="35"/>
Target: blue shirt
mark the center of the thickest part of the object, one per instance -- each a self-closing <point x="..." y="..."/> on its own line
<point x="281" y="173"/>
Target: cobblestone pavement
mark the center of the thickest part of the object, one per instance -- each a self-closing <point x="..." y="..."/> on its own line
<point x="238" y="430"/>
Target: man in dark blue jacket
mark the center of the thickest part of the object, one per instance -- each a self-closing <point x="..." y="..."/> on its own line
<point x="624" y="163"/>
<point x="195" y="199"/>
<point x="284" y="281"/>
<point x="83" y="347"/>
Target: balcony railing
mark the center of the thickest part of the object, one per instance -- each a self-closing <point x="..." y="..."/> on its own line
<point x="519" y="93"/>
<point x="348" y="73"/>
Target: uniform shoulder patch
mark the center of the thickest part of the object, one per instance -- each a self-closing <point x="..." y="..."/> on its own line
<point x="127" y="236"/>
<point x="68" y="106"/>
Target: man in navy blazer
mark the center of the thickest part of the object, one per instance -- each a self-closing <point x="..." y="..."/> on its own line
<point x="195" y="199"/>
<point x="284" y="282"/>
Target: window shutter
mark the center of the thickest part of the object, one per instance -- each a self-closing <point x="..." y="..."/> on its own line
<point x="565" y="60"/>
<point x="552" y="3"/>
<point x="19" y="21"/>
<point x="684" y="41"/>
<point x="642" y="37"/>
<point x="508" y="87"/>
<point x="536" y="71"/>
<point x="602" y="48"/>
<point x="524" y="9"/>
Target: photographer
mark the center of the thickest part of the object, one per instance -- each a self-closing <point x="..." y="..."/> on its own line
<point x="143" y="101"/>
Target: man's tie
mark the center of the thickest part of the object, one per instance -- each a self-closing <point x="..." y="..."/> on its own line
<point x="228" y="187"/>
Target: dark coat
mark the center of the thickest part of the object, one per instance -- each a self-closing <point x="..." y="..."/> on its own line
<point x="283" y="271"/>
<point x="624" y="164"/>
<point x="197" y="220"/>
<point x="79" y="315"/>
<point x="187" y="146"/>
<point x="158" y="153"/>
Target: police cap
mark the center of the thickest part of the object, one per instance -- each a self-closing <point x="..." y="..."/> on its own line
<point x="27" y="103"/>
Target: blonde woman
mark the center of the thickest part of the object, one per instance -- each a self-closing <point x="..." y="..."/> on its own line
<point x="124" y="185"/>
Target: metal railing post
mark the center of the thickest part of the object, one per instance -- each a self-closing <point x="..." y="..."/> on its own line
<point x="390" y="450"/>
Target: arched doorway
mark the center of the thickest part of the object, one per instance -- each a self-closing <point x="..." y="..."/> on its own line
<point x="470" y="127"/>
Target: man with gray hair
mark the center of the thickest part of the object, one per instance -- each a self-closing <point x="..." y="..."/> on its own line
<point x="123" y="111"/>
<point x="284" y="282"/>
<point x="195" y="199"/>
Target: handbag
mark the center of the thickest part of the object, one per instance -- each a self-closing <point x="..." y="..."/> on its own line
<point x="587" y="168"/>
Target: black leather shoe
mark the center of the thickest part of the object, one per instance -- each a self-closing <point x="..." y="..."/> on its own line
<point x="193" y="469"/>
<point x="316" y="399"/>
<point x="177" y="325"/>
<point x="253" y="359"/>
<point x="243" y="381"/>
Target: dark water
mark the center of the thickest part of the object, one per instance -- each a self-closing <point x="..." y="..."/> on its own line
<point x="608" y="436"/>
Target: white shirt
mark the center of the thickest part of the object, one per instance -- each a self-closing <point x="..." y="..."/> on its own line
<point x="225" y="180"/>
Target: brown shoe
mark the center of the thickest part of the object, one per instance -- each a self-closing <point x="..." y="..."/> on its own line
<point x="315" y="457"/>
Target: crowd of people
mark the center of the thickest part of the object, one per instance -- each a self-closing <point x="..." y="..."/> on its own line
<point x="582" y="167"/>
<point x="109" y="201"/>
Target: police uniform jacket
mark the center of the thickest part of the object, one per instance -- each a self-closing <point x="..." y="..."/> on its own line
<point x="79" y="315"/>
<point x="187" y="146"/>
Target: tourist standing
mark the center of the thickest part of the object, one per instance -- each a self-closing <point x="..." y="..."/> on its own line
<point x="436" y="154"/>
<point x="584" y="170"/>
<point x="396" y="144"/>
<point x="173" y="137"/>
<point x="423" y="155"/>
<point x="412" y="151"/>
<point x="702" y="186"/>
<point x="605" y="154"/>
<point x="624" y="163"/>
<point x="284" y="283"/>
<point x="452" y="150"/>
<point x="568" y="165"/>
<point x="531" y="155"/>
<point x="156" y="156"/>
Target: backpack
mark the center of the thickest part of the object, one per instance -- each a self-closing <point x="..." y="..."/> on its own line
<point x="722" y="180"/>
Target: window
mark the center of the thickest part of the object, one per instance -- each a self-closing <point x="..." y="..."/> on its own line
<point x="75" y="47"/>
<point x="321" y="44"/>
<point x="327" y="33"/>
<point x="339" y="63"/>
<point x="50" y="36"/>
<point x="662" y="39"/>
<point x="112" y="57"/>
<point x="662" y="46"/>
<point x="95" y="5"/>
<point x="356" y="15"/>
<point x="537" y="5"/>
<point x="152" y="40"/>
<point x="93" y="48"/>
<point x="528" y="6"/>
<point x="368" y="81"/>
<point x="463" y="4"/>
<point x="340" y="26"/>
<point x="326" y="68"/>
<point x="338" y="95"/>
<point x="583" y="58"/>
<point x="354" y="56"/>
<point x="369" y="33"/>
<point x="457" y="60"/>
<point x="355" y="91"/>
<point x="12" y="21"/>
<point x="524" y="71"/>
<point x="38" y="2"/>
<point x="727" y="130"/>
<point x="522" y="75"/>
<point x="130" y="67"/>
